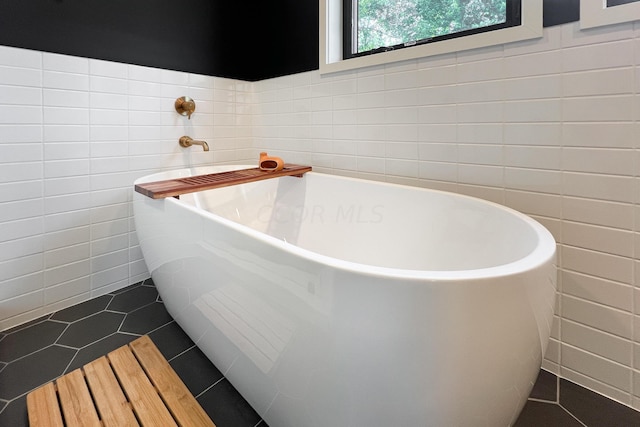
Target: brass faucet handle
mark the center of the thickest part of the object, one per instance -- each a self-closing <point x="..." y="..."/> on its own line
<point x="185" y="106"/>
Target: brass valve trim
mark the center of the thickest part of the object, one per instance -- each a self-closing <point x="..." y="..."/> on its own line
<point x="185" y="106"/>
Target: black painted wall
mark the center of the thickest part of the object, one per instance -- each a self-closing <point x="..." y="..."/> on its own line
<point x="223" y="38"/>
<point x="556" y="12"/>
<point x="144" y="32"/>
<point x="250" y="40"/>
<point x="264" y="39"/>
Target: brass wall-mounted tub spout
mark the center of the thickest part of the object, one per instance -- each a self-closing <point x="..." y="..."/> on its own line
<point x="186" y="141"/>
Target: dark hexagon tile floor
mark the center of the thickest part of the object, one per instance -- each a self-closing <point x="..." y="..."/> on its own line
<point x="227" y="407"/>
<point x="29" y="340"/>
<point x="195" y="370"/>
<point x="91" y="329"/>
<point x="39" y="351"/>
<point x="15" y="414"/>
<point x="133" y="299"/>
<point x="28" y="372"/>
<point x="99" y="348"/>
<point x="84" y="309"/>
<point x="145" y="319"/>
<point x="171" y="340"/>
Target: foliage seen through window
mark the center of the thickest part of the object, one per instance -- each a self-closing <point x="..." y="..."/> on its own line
<point x="384" y="23"/>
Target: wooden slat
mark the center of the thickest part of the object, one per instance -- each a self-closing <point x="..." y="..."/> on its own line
<point x="175" y="187"/>
<point x="110" y="401"/>
<point x="184" y="407"/>
<point x="132" y="386"/>
<point x="75" y="400"/>
<point x="43" y="407"/>
<point x="146" y="403"/>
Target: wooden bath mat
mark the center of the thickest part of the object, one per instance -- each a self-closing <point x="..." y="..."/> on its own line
<point x="131" y="386"/>
<point x="191" y="184"/>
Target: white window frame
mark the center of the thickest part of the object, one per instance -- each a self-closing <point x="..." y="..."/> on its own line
<point x="331" y="39"/>
<point x="595" y="13"/>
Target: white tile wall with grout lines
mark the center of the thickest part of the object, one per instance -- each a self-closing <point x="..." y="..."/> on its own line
<point x="74" y="134"/>
<point x="549" y="127"/>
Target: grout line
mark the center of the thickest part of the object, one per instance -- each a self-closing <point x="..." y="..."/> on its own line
<point x="159" y="327"/>
<point x="69" y="347"/>
<point x="66" y="368"/>
<point x="572" y="416"/>
<point x="210" y="387"/>
<point x="181" y="353"/>
<point x="124" y="317"/>
<point x="551" y="402"/>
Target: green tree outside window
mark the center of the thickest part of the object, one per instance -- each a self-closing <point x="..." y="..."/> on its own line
<point x="391" y="22"/>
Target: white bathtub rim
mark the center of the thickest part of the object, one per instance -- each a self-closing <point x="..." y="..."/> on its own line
<point x="544" y="251"/>
<point x="539" y="256"/>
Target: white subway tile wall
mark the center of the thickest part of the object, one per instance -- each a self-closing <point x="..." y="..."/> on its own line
<point x="74" y="134"/>
<point x="549" y="127"/>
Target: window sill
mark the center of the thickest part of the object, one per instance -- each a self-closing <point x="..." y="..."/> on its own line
<point x="595" y="14"/>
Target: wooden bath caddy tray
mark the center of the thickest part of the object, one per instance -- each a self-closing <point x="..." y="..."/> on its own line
<point x="191" y="184"/>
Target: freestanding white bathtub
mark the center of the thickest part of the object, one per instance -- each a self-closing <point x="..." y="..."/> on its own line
<point x="330" y="301"/>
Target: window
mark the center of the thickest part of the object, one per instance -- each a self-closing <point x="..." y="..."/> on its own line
<point x="596" y="13"/>
<point x="518" y="20"/>
<point x="611" y="3"/>
<point x="374" y="26"/>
